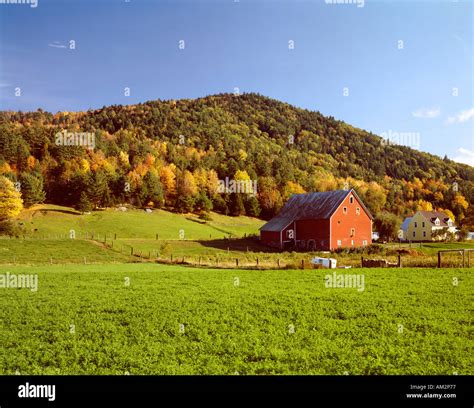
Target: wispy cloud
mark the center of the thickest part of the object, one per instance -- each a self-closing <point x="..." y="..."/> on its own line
<point x="461" y="117"/>
<point x="56" y="44"/>
<point x="465" y="156"/>
<point x="426" y="113"/>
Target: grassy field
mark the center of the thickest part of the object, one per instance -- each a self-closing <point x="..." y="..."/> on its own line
<point x="51" y="221"/>
<point x="179" y="320"/>
<point x="56" y="251"/>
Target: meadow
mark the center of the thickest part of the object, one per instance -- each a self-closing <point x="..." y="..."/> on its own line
<point x="160" y="319"/>
<point x="101" y="310"/>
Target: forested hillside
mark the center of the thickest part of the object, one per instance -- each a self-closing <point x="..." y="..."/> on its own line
<point x="173" y="153"/>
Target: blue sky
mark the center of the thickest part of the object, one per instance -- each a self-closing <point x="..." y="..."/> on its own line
<point x="423" y="87"/>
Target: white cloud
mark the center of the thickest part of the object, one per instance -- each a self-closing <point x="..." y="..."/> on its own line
<point x="465" y="156"/>
<point x="426" y="113"/>
<point x="461" y="117"/>
<point x="56" y="44"/>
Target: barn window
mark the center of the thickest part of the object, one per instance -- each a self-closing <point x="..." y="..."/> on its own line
<point x="413" y="234"/>
<point x="358" y="211"/>
<point x="339" y="243"/>
<point x="344" y="210"/>
<point x="424" y="234"/>
<point x="416" y="224"/>
<point x="364" y="242"/>
<point x="423" y="224"/>
<point x="353" y="232"/>
<point x="351" y="199"/>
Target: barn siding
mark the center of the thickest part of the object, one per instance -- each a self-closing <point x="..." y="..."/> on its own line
<point x="317" y="230"/>
<point x="341" y="225"/>
<point x="270" y="238"/>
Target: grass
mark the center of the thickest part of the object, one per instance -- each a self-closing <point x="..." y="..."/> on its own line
<point x="48" y="220"/>
<point x="228" y="328"/>
<point x="34" y="252"/>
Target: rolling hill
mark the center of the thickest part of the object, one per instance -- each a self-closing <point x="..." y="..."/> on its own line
<point x="172" y="154"/>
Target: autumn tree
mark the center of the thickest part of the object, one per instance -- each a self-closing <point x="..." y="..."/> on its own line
<point x="11" y="205"/>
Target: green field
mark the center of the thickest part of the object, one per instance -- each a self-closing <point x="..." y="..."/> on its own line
<point x="50" y="221"/>
<point x="175" y="319"/>
<point x="272" y="322"/>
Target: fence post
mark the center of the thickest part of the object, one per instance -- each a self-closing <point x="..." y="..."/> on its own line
<point x="468" y="259"/>
<point x="463" y="257"/>
<point x="199" y="261"/>
<point x="131" y="251"/>
<point x="439" y="259"/>
<point x="156" y="237"/>
<point x="278" y="263"/>
<point x="171" y="257"/>
<point x="115" y="236"/>
<point x="302" y="264"/>
<point x="237" y="262"/>
<point x="399" y="261"/>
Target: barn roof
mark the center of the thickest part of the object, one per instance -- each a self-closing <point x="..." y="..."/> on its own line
<point x="309" y="206"/>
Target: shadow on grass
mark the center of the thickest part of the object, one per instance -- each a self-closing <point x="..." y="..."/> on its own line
<point x="238" y="244"/>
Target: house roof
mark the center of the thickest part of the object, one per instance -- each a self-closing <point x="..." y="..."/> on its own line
<point x="432" y="215"/>
<point x="405" y="223"/>
<point x="310" y="206"/>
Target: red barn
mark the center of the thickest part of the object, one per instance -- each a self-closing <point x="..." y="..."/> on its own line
<point x="320" y="221"/>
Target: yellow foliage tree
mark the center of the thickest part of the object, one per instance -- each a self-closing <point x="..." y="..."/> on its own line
<point x="423" y="205"/>
<point x="11" y="203"/>
<point x="292" y="188"/>
<point x="168" y="180"/>
<point x="187" y="185"/>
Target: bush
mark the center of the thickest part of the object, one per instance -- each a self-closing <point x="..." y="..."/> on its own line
<point x="11" y="229"/>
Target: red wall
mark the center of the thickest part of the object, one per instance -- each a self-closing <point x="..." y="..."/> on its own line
<point x="270" y="238"/>
<point x="341" y="225"/>
<point x="318" y="230"/>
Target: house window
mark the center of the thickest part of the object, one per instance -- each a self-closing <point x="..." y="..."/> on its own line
<point x="344" y="210"/>
<point x="358" y="211"/>
<point x="424" y="234"/>
<point x="413" y="234"/>
<point x="353" y="232"/>
<point x="423" y="224"/>
<point x="437" y="222"/>
<point x="339" y="243"/>
<point x="364" y="242"/>
<point x="450" y="223"/>
<point x="351" y="199"/>
<point x="416" y="224"/>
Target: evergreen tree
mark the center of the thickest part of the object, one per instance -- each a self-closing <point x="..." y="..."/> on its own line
<point x="84" y="204"/>
<point x="32" y="190"/>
